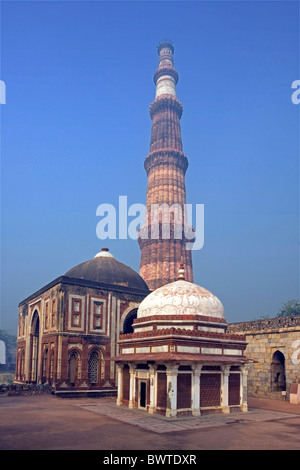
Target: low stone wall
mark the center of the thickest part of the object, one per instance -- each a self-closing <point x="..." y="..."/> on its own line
<point x="24" y="389"/>
<point x="262" y="325"/>
<point x="264" y="338"/>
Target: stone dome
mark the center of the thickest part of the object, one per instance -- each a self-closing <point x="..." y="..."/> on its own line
<point x="181" y="298"/>
<point x="104" y="268"/>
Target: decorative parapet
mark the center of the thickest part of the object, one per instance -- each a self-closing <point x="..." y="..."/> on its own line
<point x="165" y="71"/>
<point x="182" y="332"/>
<point x="166" y="156"/>
<point x="166" y="101"/>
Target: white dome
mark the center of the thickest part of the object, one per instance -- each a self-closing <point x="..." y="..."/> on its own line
<point x="181" y="298"/>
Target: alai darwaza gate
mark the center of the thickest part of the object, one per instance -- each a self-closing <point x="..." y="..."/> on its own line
<point x="179" y="360"/>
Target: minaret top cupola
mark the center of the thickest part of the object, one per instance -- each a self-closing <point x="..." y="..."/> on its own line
<point x="165" y="76"/>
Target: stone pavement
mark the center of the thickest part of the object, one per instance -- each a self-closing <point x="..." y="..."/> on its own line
<point x="161" y="424"/>
<point x="45" y="422"/>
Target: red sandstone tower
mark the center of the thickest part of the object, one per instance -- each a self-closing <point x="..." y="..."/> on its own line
<point x="163" y="238"/>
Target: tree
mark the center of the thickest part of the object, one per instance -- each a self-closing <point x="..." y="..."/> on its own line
<point x="290" y="308"/>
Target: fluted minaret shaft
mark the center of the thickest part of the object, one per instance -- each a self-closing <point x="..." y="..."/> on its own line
<point x="162" y="247"/>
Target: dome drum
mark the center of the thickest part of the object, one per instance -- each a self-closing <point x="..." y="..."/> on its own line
<point x="189" y="322"/>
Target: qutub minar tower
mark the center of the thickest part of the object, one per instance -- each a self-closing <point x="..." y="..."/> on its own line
<point x="166" y="164"/>
<point x="98" y="329"/>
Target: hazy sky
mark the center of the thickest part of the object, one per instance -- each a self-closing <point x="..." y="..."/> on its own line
<point x="75" y="131"/>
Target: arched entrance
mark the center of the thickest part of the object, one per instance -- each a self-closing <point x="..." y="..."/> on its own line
<point x="278" y="372"/>
<point x="128" y="322"/>
<point x="73" y="366"/>
<point x="35" y="333"/>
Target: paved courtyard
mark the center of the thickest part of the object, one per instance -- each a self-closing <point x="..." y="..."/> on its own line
<point x="50" y="423"/>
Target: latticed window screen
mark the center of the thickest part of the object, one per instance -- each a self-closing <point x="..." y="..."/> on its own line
<point x="126" y="380"/>
<point x="184" y="382"/>
<point x="210" y="390"/>
<point x="234" y="389"/>
<point x="51" y="364"/>
<point x="94" y="367"/>
<point x="22" y="364"/>
<point x="162" y="390"/>
<point x="45" y="362"/>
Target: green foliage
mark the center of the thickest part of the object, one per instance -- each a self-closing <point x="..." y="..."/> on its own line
<point x="262" y="317"/>
<point x="290" y="308"/>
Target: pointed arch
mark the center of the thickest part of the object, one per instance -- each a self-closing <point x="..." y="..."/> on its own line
<point x="127" y="311"/>
<point x="34" y="345"/>
<point x="278" y="382"/>
<point x="128" y="321"/>
<point x="74" y="366"/>
<point x="95" y="366"/>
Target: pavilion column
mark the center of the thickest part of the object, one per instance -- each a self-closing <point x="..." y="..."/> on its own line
<point x="120" y="384"/>
<point x="132" y="386"/>
<point x="196" y="389"/>
<point x="34" y="359"/>
<point x="172" y="372"/>
<point x="243" y="388"/>
<point x="224" y="389"/>
<point x="153" y="388"/>
<point x="27" y="359"/>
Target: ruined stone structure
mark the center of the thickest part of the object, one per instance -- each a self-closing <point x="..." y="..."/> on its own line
<point x="163" y="244"/>
<point x="68" y="331"/>
<point x="180" y="358"/>
<point x="274" y="346"/>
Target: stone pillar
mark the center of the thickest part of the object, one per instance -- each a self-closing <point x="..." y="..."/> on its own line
<point x="224" y="389"/>
<point x="153" y="388"/>
<point x="57" y="369"/>
<point x="243" y="390"/>
<point x="132" y="386"/>
<point x="196" y="389"/>
<point x="120" y="384"/>
<point x="34" y="359"/>
<point x="172" y="372"/>
<point x="27" y="359"/>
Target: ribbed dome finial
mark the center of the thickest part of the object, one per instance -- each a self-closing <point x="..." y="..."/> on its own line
<point x="104" y="252"/>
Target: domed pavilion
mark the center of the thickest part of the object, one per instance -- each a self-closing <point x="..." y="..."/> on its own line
<point x="180" y="360"/>
<point x="68" y="330"/>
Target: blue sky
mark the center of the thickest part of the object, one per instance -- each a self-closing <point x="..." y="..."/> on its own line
<point x="75" y="130"/>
